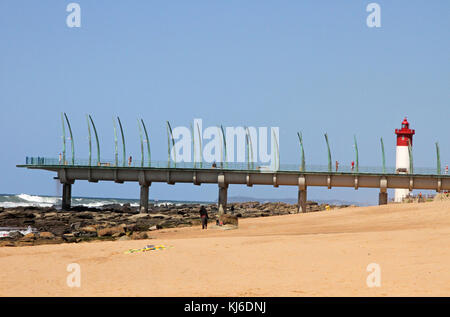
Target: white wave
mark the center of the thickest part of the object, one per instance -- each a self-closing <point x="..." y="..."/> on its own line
<point x="9" y="204"/>
<point x="93" y="205"/>
<point x="164" y="204"/>
<point x="26" y="200"/>
<point x="100" y="204"/>
<point x="39" y="199"/>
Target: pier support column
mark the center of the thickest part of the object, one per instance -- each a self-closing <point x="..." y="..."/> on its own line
<point x="301" y="200"/>
<point x="143" y="206"/>
<point x="383" y="198"/>
<point x="223" y="193"/>
<point x="66" y="196"/>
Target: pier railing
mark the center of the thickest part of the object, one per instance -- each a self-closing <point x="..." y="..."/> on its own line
<point x="243" y="166"/>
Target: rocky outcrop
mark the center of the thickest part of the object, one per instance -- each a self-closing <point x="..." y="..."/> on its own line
<point x="114" y="222"/>
<point x="227" y="219"/>
<point x="46" y="235"/>
<point x="112" y="231"/>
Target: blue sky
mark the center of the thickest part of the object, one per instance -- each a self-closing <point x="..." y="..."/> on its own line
<point x="310" y="66"/>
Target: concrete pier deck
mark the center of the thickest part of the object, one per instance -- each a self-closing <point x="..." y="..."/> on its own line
<point x="225" y="175"/>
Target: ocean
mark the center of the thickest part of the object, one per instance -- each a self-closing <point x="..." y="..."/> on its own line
<point x="26" y="200"/>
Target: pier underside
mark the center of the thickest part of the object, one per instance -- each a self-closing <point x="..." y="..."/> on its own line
<point x="145" y="176"/>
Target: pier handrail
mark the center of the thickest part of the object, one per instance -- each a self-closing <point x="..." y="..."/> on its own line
<point x="243" y="166"/>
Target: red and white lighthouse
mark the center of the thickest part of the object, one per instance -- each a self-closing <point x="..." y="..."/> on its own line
<point x="404" y="139"/>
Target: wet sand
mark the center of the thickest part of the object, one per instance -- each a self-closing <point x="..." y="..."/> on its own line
<point x="313" y="254"/>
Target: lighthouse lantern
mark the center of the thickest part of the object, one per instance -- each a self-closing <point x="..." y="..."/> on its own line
<point x="405" y="134"/>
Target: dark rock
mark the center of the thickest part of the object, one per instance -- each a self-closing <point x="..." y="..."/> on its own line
<point x="139" y="235"/>
<point x="29" y="214"/>
<point x="169" y="224"/>
<point x="29" y="237"/>
<point x="89" y="229"/>
<point x="11" y="214"/>
<point x="75" y="225"/>
<point x="69" y="237"/>
<point x="46" y="235"/>
<point x="85" y="215"/>
<point x="143" y="225"/>
<point x="7" y="243"/>
<point x="15" y="235"/>
<point x="227" y="219"/>
<point x="111" y="231"/>
<point x="160" y="216"/>
<point x="87" y="234"/>
<point x="59" y="230"/>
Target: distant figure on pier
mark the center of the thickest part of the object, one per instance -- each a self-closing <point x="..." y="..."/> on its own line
<point x="214" y="165"/>
<point x="204" y="217"/>
<point x="130" y="159"/>
<point x="446" y="169"/>
<point x="60" y="158"/>
<point x="353" y="165"/>
<point x="337" y="166"/>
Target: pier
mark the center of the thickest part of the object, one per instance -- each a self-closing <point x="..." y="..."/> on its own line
<point x="404" y="176"/>
<point x="237" y="174"/>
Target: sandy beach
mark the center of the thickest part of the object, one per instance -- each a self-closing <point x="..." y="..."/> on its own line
<point x="313" y="254"/>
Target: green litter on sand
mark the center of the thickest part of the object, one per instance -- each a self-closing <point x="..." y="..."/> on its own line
<point x="149" y="248"/>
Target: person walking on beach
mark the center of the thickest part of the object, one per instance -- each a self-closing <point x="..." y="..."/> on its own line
<point x="353" y="166"/>
<point x="337" y="165"/>
<point x="130" y="159"/>
<point x="420" y="198"/>
<point x="204" y="217"/>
